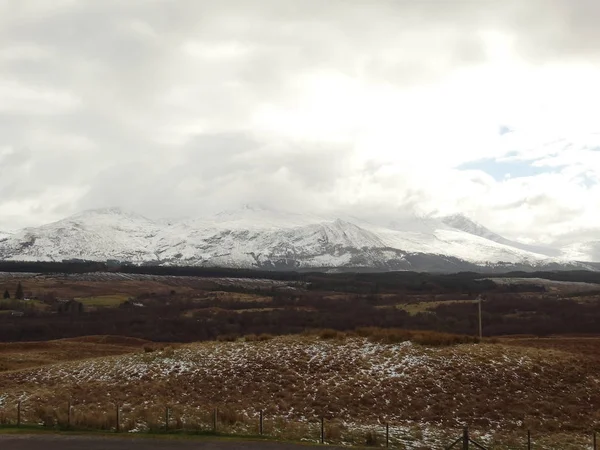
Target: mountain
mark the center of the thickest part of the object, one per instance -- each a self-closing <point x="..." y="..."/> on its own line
<point x="257" y="237"/>
<point x="93" y="235"/>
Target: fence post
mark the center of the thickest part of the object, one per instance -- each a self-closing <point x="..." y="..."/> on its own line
<point x="595" y="443"/>
<point x="465" y="438"/>
<point x="322" y="430"/>
<point x="118" y="428"/>
<point x="387" y="435"/>
<point x="69" y="415"/>
<point x="19" y="414"/>
<point x="167" y="414"/>
<point x="261" y="422"/>
<point x="528" y="439"/>
<point x="216" y="412"/>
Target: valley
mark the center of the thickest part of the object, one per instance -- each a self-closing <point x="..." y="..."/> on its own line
<point x="361" y="351"/>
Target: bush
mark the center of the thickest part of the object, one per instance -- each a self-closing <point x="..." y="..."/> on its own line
<point x="258" y="338"/>
<point x="427" y="338"/>
<point x="330" y="334"/>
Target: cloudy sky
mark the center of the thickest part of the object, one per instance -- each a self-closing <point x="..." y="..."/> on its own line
<point x="374" y="108"/>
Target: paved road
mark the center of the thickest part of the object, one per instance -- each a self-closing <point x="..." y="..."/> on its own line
<point x="51" y="442"/>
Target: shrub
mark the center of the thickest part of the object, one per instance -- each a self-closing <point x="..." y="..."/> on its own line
<point x="258" y="338"/>
<point x="428" y="338"/>
<point x="330" y="334"/>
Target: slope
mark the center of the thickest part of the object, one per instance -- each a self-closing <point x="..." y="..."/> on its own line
<point x="93" y="235"/>
<point x="259" y="237"/>
<point x="352" y="382"/>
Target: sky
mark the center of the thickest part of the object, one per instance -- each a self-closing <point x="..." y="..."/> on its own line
<point x="379" y="109"/>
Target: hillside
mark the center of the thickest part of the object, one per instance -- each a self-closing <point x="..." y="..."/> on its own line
<point x="355" y="383"/>
<point x="253" y="237"/>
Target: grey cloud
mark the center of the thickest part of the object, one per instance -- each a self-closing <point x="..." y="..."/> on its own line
<point x="217" y="172"/>
<point x="125" y="63"/>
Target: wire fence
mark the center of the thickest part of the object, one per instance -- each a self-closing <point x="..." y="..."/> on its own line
<point x="123" y="418"/>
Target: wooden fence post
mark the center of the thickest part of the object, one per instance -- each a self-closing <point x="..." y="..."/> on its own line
<point x="118" y="428"/>
<point x="595" y="442"/>
<point x="215" y="419"/>
<point x="261" y="423"/>
<point x="528" y="439"/>
<point x="19" y="414"/>
<point x="69" y="415"/>
<point x="167" y="418"/>
<point x="465" y="438"/>
<point x="322" y="430"/>
<point x="387" y="435"/>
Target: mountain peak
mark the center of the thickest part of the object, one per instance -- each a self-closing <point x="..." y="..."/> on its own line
<point x="254" y="207"/>
<point x="113" y="211"/>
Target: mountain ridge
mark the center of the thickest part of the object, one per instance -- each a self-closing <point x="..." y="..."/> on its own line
<point x="256" y="237"/>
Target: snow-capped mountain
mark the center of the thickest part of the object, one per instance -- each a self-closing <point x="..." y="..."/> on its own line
<point x="94" y="235"/>
<point x="263" y="238"/>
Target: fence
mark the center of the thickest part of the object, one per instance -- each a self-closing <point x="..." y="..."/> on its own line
<point x="226" y="421"/>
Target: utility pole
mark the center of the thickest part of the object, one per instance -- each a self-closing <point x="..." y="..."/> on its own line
<point x="480" y="324"/>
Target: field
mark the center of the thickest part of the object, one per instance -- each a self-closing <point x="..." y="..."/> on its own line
<point x="189" y="309"/>
<point x="357" y="384"/>
<point x="359" y="351"/>
<point x="22" y="355"/>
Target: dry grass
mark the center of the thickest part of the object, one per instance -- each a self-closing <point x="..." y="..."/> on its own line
<point x="415" y="308"/>
<point x="110" y="284"/>
<point x="104" y="301"/>
<point x="357" y="383"/>
<point x="345" y="378"/>
<point x="397" y="335"/>
<point x="22" y="355"/>
<point x="587" y="346"/>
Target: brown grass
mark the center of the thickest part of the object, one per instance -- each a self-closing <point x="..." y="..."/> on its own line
<point x="297" y="379"/>
<point x="22" y="355"/>
<point x="398" y="335"/>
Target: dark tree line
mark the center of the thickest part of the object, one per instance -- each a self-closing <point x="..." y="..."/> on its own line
<point x="169" y="318"/>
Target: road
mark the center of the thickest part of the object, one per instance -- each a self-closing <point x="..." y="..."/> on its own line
<point x="56" y="442"/>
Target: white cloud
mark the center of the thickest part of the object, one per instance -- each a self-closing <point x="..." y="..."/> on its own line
<point x="366" y="108"/>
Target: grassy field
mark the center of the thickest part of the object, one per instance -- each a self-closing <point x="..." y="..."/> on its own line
<point x="105" y="301"/>
<point x="356" y="384"/>
<point x="22" y="355"/>
<point x="358" y="377"/>
<point x="414" y="308"/>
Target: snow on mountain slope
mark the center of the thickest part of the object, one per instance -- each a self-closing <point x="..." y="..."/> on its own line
<point x="4" y="235"/>
<point x="584" y="251"/>
<point x="444" y="240"/>
<point x="95" y="235"/>
<point x="260" y="237"/>
<point x="463" y="223"/>
<point x="254" y="236"/>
